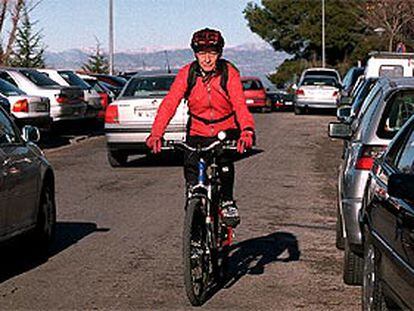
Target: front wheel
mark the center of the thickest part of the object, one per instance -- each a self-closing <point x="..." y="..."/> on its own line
<point x="195" y="255"/>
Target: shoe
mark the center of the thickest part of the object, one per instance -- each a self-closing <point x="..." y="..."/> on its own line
<point x="230" y="213"/>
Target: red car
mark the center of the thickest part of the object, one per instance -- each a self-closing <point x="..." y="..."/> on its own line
<point x="255" y="94"/>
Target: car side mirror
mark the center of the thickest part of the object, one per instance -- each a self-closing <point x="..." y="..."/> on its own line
<point x="339" y="130"/>
<point x="31" y="133"/>
<point x="401" y="186"/>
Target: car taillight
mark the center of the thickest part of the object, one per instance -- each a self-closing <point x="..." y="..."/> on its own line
<point x="300" y="92"/>
<point x="367" y="155"/>
<point x="335" y="94"/>
<point x="21" y="105"/>
<point x="111" y="114"/>
<point x="104" y="100"/>
<point x="60" y="98"/>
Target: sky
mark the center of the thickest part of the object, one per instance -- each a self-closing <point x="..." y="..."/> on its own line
<point x="139" y="24"/>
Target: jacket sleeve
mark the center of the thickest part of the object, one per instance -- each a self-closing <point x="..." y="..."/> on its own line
<point x="170" y="103"/>
<point x="235" y="91"/>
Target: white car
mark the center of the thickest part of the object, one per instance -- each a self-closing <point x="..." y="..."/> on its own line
<point x="27" y="109"/>
<point x="129" y="119"/>
<point x="317" y="92"/>
<point x="66" y="103"/>
<point x="70" y="78"/>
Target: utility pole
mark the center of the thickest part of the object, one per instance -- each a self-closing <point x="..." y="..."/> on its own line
<point x="111" y="38"/>
<point x="323" y="33"/>
<point x="168" y="62"/>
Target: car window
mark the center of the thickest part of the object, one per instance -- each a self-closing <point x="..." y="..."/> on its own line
<point x="328" y="73"/>
<point x="252" y="85"/>
<point x="6" y="76"/>
<point x="38" y="78"/>
<point x="144" y="86"/>
<point x="405" y="161"/>
<point x="361" y="94"/>
<point x="392" y="71"/>
<point x="9" y="89"/>
<point x="373" y="99"/>
<point x="72" y="79"/>
<point x="320" y="81"/>
<point x="399" y="109"/>
<point x="8" y="133"/>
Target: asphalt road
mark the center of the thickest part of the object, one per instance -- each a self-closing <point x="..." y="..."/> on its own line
<point x="119" y="231"/>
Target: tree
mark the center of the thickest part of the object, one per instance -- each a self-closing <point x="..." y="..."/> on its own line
<point x="28" y="50"/>
<point x="390" y="16"/>
<point x="97" y="63"/>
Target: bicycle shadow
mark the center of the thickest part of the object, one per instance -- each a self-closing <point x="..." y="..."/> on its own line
<point x="253" y="255"/>
<point x="19" y="257"/>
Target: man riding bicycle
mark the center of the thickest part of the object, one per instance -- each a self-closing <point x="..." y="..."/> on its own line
<point x="216" y="103"/>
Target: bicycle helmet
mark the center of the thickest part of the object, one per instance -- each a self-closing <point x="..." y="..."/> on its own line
<point x="207" y="40"/>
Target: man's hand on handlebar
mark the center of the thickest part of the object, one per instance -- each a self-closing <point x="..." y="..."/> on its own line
<point x="154" y="143"/>
<point x="245" y="141"/>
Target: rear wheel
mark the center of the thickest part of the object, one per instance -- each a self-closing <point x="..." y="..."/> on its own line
<point x="372" y="294"/>
<point x="353" y="267"/>
<point x="117" y="158"/>
<point x="195" y="257"/>
<point x="298" y="110"/>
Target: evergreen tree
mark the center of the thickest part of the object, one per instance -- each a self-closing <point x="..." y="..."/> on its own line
<point x="97" y="63"/>
<point x="28" y="49"/>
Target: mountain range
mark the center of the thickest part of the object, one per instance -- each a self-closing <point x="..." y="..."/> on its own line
<point x="251" y="59"/>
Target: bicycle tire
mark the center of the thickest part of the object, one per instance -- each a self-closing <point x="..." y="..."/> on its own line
<point x="193" y="226"/>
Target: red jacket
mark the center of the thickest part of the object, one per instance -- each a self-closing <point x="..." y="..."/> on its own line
<point x="208" y="101"/>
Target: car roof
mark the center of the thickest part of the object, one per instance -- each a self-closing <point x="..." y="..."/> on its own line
<point x="399" y="82"/>
<point x="320" y="69"/>
<point x="249" y="78"/>
<point x="154" y="75"/>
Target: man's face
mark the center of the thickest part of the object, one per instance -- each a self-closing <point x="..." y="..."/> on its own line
<point x="207" y="60"/>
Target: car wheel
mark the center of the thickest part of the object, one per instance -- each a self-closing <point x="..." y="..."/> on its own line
<point x="353" y="267"/>
<point x="340" y="240"/>
<point x="372" y="294"/>
<point x="298" y="110"/>
<point x="117" y="158"/>
<point x="46" y="220"/>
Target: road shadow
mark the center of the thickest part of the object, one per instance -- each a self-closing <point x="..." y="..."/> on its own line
<point x="320" y="112"/>
<point x="64" y="133"/>
<point x="164" y="159"/>
<point x="252" y="256"/>
<point x="18" y="257"/>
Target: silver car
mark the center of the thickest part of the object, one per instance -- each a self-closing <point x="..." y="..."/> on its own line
<point x="129" y="119"/>
<point x="386" y="108"/>
<point x="317" y="92"/>
<point x="66" y="103"/>
<point x="27" y="192"/>
<point x="27" y="109"/>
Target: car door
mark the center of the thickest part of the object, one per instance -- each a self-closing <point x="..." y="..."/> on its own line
<point x="21" y="175"/>
<point x="3" y="203"/>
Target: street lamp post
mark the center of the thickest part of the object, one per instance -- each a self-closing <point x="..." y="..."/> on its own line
<point x="323" y="33"/>
<point x="111" y="39"/>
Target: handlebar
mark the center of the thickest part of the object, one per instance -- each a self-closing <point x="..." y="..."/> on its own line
<point x="225" y="145"/>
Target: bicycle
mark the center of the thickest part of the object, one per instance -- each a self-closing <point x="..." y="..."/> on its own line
<point x="206" y="239"/>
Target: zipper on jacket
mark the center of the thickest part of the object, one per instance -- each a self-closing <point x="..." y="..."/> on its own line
<point x="211" y="107"/>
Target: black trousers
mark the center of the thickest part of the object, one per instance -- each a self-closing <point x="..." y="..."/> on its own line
<point x="226" y="166"/>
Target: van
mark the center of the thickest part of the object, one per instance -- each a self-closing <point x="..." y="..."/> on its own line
<point x="393" y="65"/>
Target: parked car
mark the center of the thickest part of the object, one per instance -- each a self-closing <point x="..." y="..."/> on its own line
<point x="317" y="92"/>
<point x="255" y="94"/>
<point x="129" y="119"/>
<point x="388" y="223"/>
<point x="90" y="96"/>
<point x="116" y="82"/>
<point x="66" y="103"/>
<point x="389" y="64"/>
<point x="27" y="194"/>
<point x="5" y="104"/>
<point x="281" y="100"/>
<point x="26" y="109"/>
<point x="317" y="71"/>
<point x="350" y="79"/>
<point x="386" y="108"/>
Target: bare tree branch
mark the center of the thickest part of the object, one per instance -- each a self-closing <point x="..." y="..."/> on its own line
<point x="17" y="9"/>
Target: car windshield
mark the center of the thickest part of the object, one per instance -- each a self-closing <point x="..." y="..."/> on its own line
<point x="398" y="110"/>
<point x="38" y="78"/>
<point x="146" y="86"/>
<point x="328" y="73"/>
<point x="8" y="89"/>
<point x="320" y="81"/>
<point x="72" y="79"/>
<point x="252" y="85"/>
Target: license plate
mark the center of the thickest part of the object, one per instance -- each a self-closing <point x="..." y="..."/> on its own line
<point x="144" y="114"/>
<point x="288" y="103"/>
<point x="249" y="101"/>
<point x="41" y="107"/>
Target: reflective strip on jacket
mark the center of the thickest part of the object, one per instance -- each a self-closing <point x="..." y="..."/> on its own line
<point x="208" y="101"/>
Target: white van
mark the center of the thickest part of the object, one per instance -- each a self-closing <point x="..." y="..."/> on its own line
<point x="389" y="64"/>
